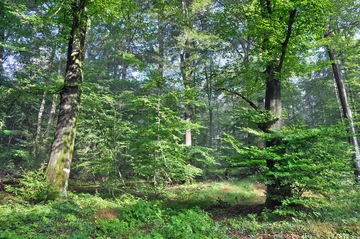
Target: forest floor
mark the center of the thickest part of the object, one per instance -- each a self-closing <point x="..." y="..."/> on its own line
<point x="231" y="209"/>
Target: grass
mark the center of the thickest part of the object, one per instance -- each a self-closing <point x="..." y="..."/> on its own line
<point x="231" y="209"/>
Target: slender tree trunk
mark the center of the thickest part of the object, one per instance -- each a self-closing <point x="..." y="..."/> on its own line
<point x="2" y="39"/>
<point x="346" y="108"/>
<point x="37" y="152"/>
<point x="2" y="54"/>
<point x="159" y="84"/>
<point x="51" y="115"/>
<point x="39" y="121"/>
<point x="208" y="78"/>
<point x="58" y="170"/>
<point x="211" y="126"/>
<point x="261" y="106"/>
<point x="124" y="66"/>
<point x="352" y="100"/>
<point x="186" y="75"/>
<point x="186" y="72"/>
<point x="54" y="98"/>
<point x="336" y="93"/>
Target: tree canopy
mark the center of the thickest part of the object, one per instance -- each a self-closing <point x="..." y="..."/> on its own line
<point x="172" y="91"/>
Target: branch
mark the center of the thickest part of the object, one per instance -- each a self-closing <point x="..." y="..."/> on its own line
<point x="344" y="27"/>
<point x="292" y="14"/>
<point x="242" y="96"/>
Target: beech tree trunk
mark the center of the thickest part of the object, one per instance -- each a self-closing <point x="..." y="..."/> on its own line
<point x="276" y="190"/>
<point x="58" y="170"/>
<point x="346" y="109"/>
<point x="186" y="72"/>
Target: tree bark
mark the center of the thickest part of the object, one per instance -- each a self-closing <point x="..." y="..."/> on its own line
<point x="186" y="72"/>
<point x="55" y="97"/>
<point x="2" y="39"/>
<point x="346" y="109"/>
<point x="209" y="92"/>
<point x="276" y="190"/>
<point x="51" y="115"/>
<point x="159" y="85"/>
<point x="37" y="151"/>
<point x="39" y="121"/>
<point x="58" y="169"/>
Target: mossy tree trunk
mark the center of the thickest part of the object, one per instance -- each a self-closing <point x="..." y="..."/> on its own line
<point x="63" y="145"/>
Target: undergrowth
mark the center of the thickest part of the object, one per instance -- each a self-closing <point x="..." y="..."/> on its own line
<point x="203" y="210"/>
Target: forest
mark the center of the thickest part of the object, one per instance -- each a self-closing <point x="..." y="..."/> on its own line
<point x="179" y="119"/>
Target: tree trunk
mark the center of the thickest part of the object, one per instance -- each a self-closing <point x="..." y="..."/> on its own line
<point x="209" y="92"/>
<point x="54" y="100"/>
<point x="39" y="121"/>
<point x="186" y="72"/>
<point x="124" y="66"/>
<point x="346" y="109"/>
<point x="159" y="84"/>
<point x="261" y="106"/>
<point x="2" y="39"/>
<point x="58" y="170"/>
<point x="276" y="190"/>
<point x="37" y="152"/>
<point x="51" y="115"/>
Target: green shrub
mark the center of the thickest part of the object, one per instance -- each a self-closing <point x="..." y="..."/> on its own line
<point x="308" y="161"/>
<point x="113" y="228"/>
<point x="34" y="187"/>
<point x="143" y="212"/>
<point x="192" y="223"/>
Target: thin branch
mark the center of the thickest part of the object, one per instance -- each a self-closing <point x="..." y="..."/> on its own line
<point x="241" y="96"/>
<point x="344" y="27"/>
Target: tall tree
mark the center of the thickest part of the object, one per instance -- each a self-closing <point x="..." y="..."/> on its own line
<point x="271" y="26"/>
<point x="2" y="37"/>
<point x="63" y="146"/>
<point x="343" y="22"/>
<point x="345" y="107"/>
<point x="275" y="50"/>
<point x="186" y="67"/>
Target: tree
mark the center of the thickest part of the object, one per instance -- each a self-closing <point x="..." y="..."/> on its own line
<point x="58" y="170"/>
<point x="271" y="26"/>
<point x="343" y="24"/>
<point x="346" y="108"/>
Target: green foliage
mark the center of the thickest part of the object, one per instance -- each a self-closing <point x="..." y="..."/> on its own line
<point x="34" y="187"/>
<point x="87" y="216"/>
<point x="312" y="161"/>
<point x="193" y="223"/>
